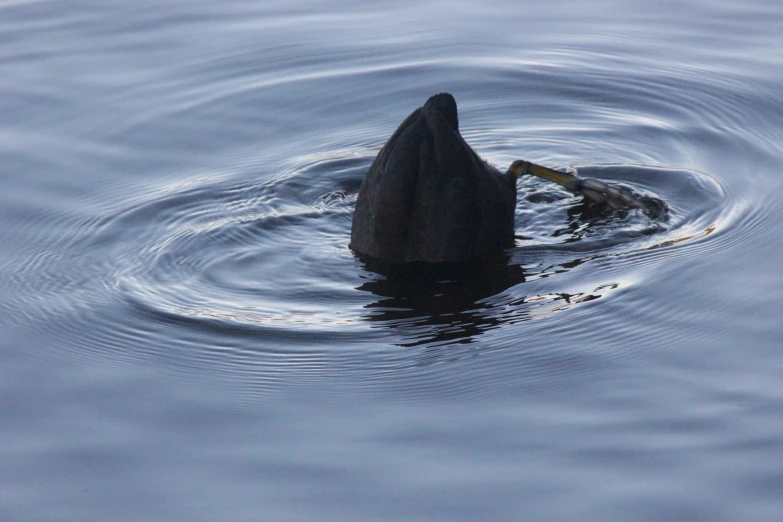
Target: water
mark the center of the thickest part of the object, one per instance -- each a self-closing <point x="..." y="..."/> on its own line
<point x="186" y="335"/>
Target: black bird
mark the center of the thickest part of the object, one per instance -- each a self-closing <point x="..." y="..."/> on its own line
<point x="429" y="197"/>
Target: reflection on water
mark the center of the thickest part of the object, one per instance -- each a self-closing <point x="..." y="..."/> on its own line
<point x="444" y="304"/>
<point x="438" y="304"/>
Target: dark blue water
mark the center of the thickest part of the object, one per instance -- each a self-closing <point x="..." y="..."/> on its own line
<point x="185" y="335"/>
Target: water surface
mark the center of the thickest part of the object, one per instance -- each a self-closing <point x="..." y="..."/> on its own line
<point x="186" y="334"/>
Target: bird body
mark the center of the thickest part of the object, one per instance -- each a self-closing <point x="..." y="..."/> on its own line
<point x="429" y="197"/>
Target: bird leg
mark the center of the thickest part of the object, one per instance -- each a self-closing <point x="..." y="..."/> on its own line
<point x="594" y="191"/>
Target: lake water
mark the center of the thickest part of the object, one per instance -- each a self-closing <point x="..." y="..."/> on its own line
<point x="185" y="334"/>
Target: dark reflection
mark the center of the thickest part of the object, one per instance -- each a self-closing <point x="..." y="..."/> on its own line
<point x="586" y="219"/>
<point x="456" y="303"/>
<point x="655" y="209"/>
<point x="438" y="303"/>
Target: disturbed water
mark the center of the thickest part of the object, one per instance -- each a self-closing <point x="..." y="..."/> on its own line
<point x="185" y="334"/>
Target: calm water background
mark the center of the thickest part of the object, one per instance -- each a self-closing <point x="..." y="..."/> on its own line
<point x="185" y="334"/>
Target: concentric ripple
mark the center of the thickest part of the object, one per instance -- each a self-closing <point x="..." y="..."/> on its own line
<point x="219" y="261"/>
<point x="269" y="260"/>
<point x="185" y="334"/>
<point x="249" y="260"/>
<point x="250" y="256"/>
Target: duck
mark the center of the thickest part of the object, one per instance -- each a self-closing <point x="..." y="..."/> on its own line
<point x="429" y="197"/>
